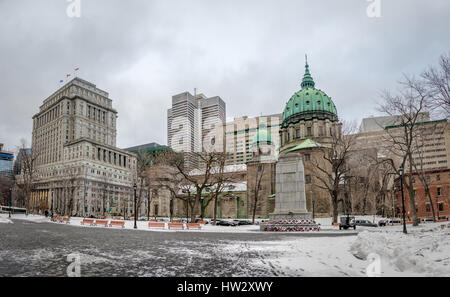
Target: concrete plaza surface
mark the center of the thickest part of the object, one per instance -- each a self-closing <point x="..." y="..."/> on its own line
<point x="39" y="248"/>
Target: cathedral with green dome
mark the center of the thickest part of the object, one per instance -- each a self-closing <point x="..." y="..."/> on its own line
<point x="309" y="114"/>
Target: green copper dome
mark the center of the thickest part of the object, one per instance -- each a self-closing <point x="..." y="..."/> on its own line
<point x="262" y="136"/>
<point x="308" y="103"/>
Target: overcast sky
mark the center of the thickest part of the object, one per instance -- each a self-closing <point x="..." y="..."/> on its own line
<point x="248" y="52"/>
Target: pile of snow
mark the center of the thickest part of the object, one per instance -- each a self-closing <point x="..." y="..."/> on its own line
<point x="423" y="251"/>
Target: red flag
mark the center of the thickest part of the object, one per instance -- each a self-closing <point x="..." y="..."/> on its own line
<point x="76" y="69"/>
<point x="67" y="75"/>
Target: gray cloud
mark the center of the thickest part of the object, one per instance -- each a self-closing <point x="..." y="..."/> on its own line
<point x="251" y="53"/>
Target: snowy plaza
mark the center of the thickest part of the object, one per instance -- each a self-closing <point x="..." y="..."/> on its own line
<point x="33" y="246"/>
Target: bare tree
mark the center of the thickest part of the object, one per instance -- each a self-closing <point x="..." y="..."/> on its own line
<point x="437" y="84"/>
<point x="255" y="190"/>
<point x="144" y="160"/>
<point x="330" y="166"/>
<point x="407" y="107"/>
<point x="28" y="175"/>
<point x="5" y="189"/>
<point x="189" y="184"/>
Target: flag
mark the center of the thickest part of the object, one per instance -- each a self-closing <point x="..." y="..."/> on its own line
<point x="61" y="81"/>
<point x="67" y="75"/>
<point x="76" y="69"/>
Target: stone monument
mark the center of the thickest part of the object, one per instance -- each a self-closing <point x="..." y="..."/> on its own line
<point x="290" y="199"/>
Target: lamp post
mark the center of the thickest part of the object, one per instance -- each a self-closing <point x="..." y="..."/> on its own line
<point x="400" y="170"/>
<point x="313" y="209"/>
<point x="135" y="207"/>
<point x="10" y="200"/>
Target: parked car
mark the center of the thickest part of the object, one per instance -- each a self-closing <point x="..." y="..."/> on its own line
<point x="242" y="222"/>
<point x="394" y="221"/>
<point x="347" y="222"/>
<point x="382" y="223"/>
<point x="200" y="220"/>
<point x="365" y="223"/>
<point x="226" y="223"/>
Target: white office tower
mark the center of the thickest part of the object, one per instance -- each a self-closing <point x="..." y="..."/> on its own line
<point x="192" y="122"/>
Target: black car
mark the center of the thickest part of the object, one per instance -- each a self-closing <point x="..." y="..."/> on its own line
<point x="365" y="223"/>
<point x="242" y="222"/>
<point x="226" y="223"/>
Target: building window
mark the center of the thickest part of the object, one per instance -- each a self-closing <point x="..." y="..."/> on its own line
<point x="438" y="177"/>
<point x="309" y="131"/>
<point x="428" y="207"/>
<point x="307" y="157"/>
<point x="439" y="191"/>
<point x="441" y="206"/>
<point x="307" y="179"/>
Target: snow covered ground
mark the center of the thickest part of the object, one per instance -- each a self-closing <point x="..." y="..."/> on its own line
<point x="4" y="219"/>
<point x="424" y="251"/>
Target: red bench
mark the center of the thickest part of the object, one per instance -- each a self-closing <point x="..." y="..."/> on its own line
<point x="100" y="222"/>
<point x="117" y="224"/>
<point x="65" y="220"/>
<point x="87" y="221"/>
<point x="176" y="221"/>
<point x="153" y="220"/>
<point x="202" y="222"/>
<point x="156" y="225"/>
<point x="193" y="226"/>
<point x="175" y="226"/>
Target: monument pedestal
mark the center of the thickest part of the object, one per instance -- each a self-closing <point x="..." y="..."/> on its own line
<point x="290" y="213"/>
<point x="290" y="200"/>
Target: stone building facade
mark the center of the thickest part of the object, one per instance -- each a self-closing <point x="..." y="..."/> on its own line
<point x="79" y="169"/>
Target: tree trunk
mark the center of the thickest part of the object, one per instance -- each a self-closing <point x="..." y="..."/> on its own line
<point x="427" y="192"/>
<point x="216" y="202"/>
<point x="335" y="207"/>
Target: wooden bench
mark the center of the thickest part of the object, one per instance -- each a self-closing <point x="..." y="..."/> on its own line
<point x="117" y="224"/>
<point x="176" y="221"/>
<point x="193" y="226"/>
<point x="87" y="221"/>
<point x="156" y="225"/>
<point x="153" y="220"/>
<point x="101" y="217"/>
<point x="117" y="218"/>
<point x="175" y="226"/>
<point x="65" y="220"/>
<point x="101" y="223"/>
<point x="202" y="222"/>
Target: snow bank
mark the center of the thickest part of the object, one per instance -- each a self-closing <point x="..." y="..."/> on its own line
<point x="423" y="251"/>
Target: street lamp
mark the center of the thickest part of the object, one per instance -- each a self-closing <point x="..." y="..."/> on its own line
<point x="313" y="209"/>
<point x="10" y="201"/>
<point x="400" y="170"/>
<point x="135" y="207"/>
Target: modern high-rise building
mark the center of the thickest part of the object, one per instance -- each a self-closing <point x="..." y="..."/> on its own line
<point x="6" y="162"/>
<point x="192" y="122"/>
<point x="240" y="133"/>
<point x="79" y="169"/>
<point x="374" y="124"/>
<point x="431" y="148"/>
